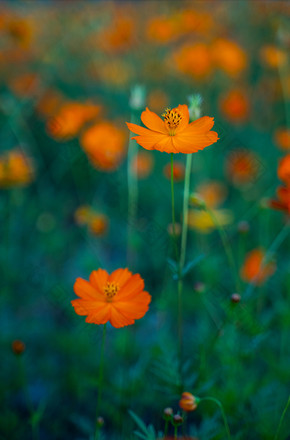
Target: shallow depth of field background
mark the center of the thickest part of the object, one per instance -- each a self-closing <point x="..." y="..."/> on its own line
<point x="66" y="67"/>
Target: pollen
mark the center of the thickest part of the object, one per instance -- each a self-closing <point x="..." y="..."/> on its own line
<point x="172" y="118"/>
<point x="111" y="289"/>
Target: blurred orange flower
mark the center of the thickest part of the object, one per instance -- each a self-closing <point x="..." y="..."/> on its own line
<point x="70" y="118"/>
<point x="18" y="347"/>
<point x="194" y="60"/>
<point x="283" y="202"/>
<point x="235" y="105"/>
<point x="162" y="29"/>
<point x="212" y="192"/>
<point x="253" y="271"/>
<point x="104" y="143"/>
<point x="282" y="138"/>
<point x="228" y="56"/>
<point x="174" y="134"/>
<point x="119" y="298"/>
<point x="119" y="35"/>
<point x="157" y="100"/>
<point x="273" y="56"/>
<point x="142" y="164"/>
<point x="15" y="169"/>
<point x="242" y="166"/>
<point x="49" y="103"/>
<point x="284" y="170"/>
<point x="25" y="85"/>
<point x="193" y="21"/>
<point x="178" y="171"/>
<point x="188" y="402"/>
<point x="96" y="222"/>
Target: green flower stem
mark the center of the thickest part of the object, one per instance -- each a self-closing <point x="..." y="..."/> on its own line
<point x="166" y="428"/>
<point x="132" y="194"/>
<point x="269" y="254"/>
<point x="218" y="403"/>
<point x="281" y="419"/>
<point x="101" y="378"/>
<point x="173" y="210"/>
<point x="175" y="432"/>
<point x="185" y="211"/>
<point x="227" y="247"/>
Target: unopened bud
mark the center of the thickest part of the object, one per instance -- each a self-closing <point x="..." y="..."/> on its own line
<point x="167" y="413"/>
<point x="243" y="227"/>
<point x="199" y="287"/>
<point x="194" y="107"/>
<point x="18" y="347"/>
<point x="177" y="420"/>
<point x="100" y="422"/>
<point x="235" y="298"/>
<point x="196" y="200"/>
<point x="188" y="402"/>
<point x="137" y="98"/>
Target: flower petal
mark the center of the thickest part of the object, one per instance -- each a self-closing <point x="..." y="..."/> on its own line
<point x="166" y="145"/>
<point x="85" y="290"/>
<point x="132" y="287"/>
<point x="153" y="121"/>
<point x="203" y="124"/>
<point x="100" y="316"/>
<point x="185" y="120"/>
<point x="134" y="128"/>
<point x="149" y="141"/>
<point x="117" y="319"/>
<point x="120" y="276"/>
<point x="85" y="307"/>
<point x="98" y="279"/>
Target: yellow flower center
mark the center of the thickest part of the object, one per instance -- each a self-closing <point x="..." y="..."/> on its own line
<point x="111" y="289"/>
<point x="172" y="119"/>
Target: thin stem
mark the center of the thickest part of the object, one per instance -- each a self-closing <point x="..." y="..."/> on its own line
<point x="166" y="428"/>
<point x="175" y="432"/>
<point x="185" y="210"/>
<point x="274" y="246"/>
<point x="132" y="194"/>
<point x="281" y="419"/>
<point x="101" y="377"/>
<point x="173" y="210"/>
<point x="218" y="403"/>
<point x="227" y="247"/>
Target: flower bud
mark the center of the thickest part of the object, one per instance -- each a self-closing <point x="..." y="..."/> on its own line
<point x="235" y="298"/>
<point x="243" y="227"/>
<point x="188" y="402"/>
<point x="18" y="347"/>
<point x="199" y="287"/>
<point x="100" y="422"/>
<point x="137" y="98"/>
<point x="194" y="107"/>
<point x="167" y="413"/>
<point x="196" y="200"/>
<point x="177" y="420"/>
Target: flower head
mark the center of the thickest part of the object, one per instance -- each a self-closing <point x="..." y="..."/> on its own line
<point x="283" y="202"/>
<point x="119" y="298"/>
<point x="188" y="402"/>
<point x="254" y="271"/>
<point x="174" y="134"/>
<point x="284" y="169"/>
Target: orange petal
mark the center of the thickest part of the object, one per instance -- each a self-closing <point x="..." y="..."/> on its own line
<point x="98" y="279"/>
<point x="139" y="130"/>
<point x="100" y="316"/>
<point x="153" y="121"/>
<point x="85" y="307"/>
<point x="184" y="122"/>
<point x="120" y="276"/>
<point x="202" y="124"/>
<point x="85" y="290"/>
<point x="133" y="286"/>
<point x="117" y="319"/>
<point x="149" y="141"/>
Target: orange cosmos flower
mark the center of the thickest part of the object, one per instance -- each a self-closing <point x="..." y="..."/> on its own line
<point x="242" y="166"/>
<point x="194" y="60"/>
<point x="273" y="56"/>
<point x="283" y="202"/>
<point x="104" y="143"/>
<point x="235" y="105"/>
<point x="282" y="138"/>
<point x="253" y="271"/>
<point x="68" y="121"/>
<point x="229" y="56"/>
<point x="212" y="192"/>
<point x="178" y="171"/>
<point x="119" y="298"/>
<point x="174" y="134"/>
<point x="15" y="169"/>
<point x="162" y="29"/>
<point x="284" y="170"/>
<point x="188" y="402"/>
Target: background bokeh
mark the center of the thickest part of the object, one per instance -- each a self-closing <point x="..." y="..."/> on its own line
<point x="72" y="73"/>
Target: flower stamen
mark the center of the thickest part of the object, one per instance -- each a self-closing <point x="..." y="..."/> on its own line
<point x="111" y="289"/>
<point x="172" y="118"/>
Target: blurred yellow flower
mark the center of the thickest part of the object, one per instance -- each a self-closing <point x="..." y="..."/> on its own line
<point x="15" y="169"/>
<point x="203" y="222"/>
